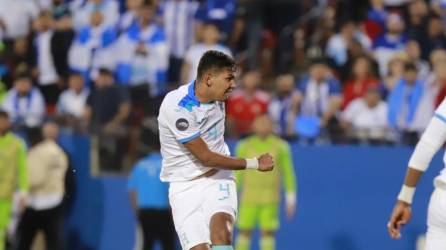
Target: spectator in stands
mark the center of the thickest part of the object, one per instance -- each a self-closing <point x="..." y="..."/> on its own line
<point x="144" y="55"/>
<point x="376" y="19"/>
<point x="413" y="52"/>
<point x="150" y="200"/>
<point x="211" y="38"/>
<point x="436" y="56"/>
<point x="245" y="104"/>
<point x="338" y="44"/>
<point x="360" y="81"/>
<point x="16" y="17"/>
<point x="16" y="58"/>
<point x="179" y="23"/>
<point x="390" y="42"/>
<point x="47" y="165"/>
<point x="403" y="103"/>
<point x="284" y="106"/>
<point x="51" y="50"/>
<point x="365" y="118"/>
<point x="107" y="106"/>
<point x="434" y="38"/>
<point x="93" y="47"/>
<point x="13" y="174"/>
<point x="106" y="113"/>
<point x="24" y="103"/>
<point x="82" y="10"/>
<point x="395" y="70"/>
<point x="221" y="13"/>
<point x="320" y="99"/>
<point x="417" y="19"/>
<point x="130" y="16"/>
<point x="71" y="104"/>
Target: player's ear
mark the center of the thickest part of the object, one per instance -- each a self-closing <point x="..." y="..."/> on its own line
<point x="208" y="79"/>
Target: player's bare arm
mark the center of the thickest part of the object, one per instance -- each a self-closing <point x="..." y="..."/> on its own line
<point x="200" y="150"/>
<point x="431" y="141"/>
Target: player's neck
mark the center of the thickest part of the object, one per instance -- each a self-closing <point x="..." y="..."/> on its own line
<point x="200" y="93"/>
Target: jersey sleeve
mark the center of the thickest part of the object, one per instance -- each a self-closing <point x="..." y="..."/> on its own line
<point x="285" y="162"/>
<point x="182" y="123"/>
<point x="440" y="113"/>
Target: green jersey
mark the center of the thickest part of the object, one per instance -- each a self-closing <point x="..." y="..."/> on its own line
<point x="264" y="188"/>
<point x="12" y="166"/>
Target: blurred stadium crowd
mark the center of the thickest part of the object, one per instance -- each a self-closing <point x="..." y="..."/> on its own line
<point x="327" y="71"/>
<point x="325" y="74"/>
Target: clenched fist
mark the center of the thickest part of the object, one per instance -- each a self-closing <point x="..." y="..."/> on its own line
<point x="266" y="162"/>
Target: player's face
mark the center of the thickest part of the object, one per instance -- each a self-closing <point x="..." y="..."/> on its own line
<point x="223" y="83"/>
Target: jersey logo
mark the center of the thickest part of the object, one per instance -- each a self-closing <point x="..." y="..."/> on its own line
<point x="182" y="124"/>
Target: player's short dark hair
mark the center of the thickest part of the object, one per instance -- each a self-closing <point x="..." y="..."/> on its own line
<point x="4" y="114"/>
<point x="214" y="60"/>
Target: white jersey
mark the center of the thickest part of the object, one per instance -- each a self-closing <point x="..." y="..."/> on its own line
<point x="440" y="113"/>
<point x="183" y="118"/>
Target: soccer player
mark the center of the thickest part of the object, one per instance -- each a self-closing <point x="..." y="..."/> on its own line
<point x="260" y="194"/>
<point x="433" y="138"/>
<point x="196" y="160"/>
<point x="13" y="174"/>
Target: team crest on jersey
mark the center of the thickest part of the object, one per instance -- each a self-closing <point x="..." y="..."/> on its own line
<point x="182" y="124"/>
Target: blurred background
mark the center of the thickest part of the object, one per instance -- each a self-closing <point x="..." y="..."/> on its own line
<point x="349" y="84"/>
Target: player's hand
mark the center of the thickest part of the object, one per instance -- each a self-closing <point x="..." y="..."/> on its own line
<point x="266" y="162"/>
<point x="400" y="216"/>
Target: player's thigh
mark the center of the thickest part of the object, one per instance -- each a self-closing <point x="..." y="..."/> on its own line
<point x="436" y="233"/>
<point x="269" y="217"/>
<point x="186" y="200"/>
<point x="221" y="197"/>
<point x="247" y="217"/>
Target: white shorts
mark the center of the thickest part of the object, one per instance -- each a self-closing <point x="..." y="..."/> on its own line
<point x="194" y="202"/>
<point x="436" y="221"/>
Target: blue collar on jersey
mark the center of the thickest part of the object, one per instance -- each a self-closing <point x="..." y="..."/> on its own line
<point x="190" y="100"/>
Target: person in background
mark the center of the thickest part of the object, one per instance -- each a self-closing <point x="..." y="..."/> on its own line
<point x="413" y="51"/>
<point x="434" y="37"/>
<point x="16" y="17"/>
<point x="365" y="118"/>
<point x="130" y="16"/>
<point x="338" y="44"/>
<point x="179" y="23"/>
<point x="51" y="51"/>
<point x="361" y="79"/>
<point x="24" y="103"/>
<point x="149" y="199"/>
<point x="260" y="195"/>
<point x="284" y="106"/>
<point x="403" y="104"/>
<point x="143" y="55"/>
<point x="47" y="165"/>
<point x="395" y="71"/>
<point x="245" y="104"/>
<point x="320" y="99"/>
<point x="13" y="174"/>
<point x="106" y="113"/>
<point x="83" y="9"/>
<point x="221" y="13"/>
<point x="93" y="48"/>
<point x="390" y="42"/>
<point x="210" y="41"/>
<point x="72" y="101"/>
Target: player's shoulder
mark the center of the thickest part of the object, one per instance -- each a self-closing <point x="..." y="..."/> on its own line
<point x="280" y="143"/>
<point x="173" y="98"/>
